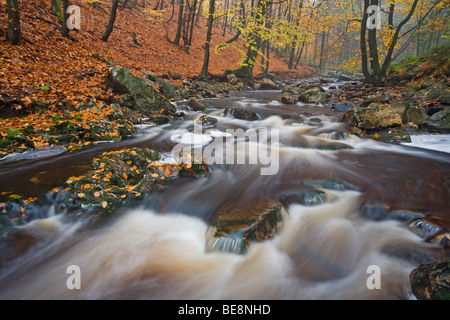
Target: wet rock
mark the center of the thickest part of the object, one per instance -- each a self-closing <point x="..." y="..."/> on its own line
<point x="440" y="121"/>
<point x="291" y="90"/>
<point x="330" y="184"/>
<point x="342" y="107"/>
<point x="267" y="84"/>
<point x="287" y="99"/>
<point x="206" y="121"/>
<point x="111" y="179"/>
<point x="306" y="198"/>
<point x="241" y="113"/>
<point x="196" y="105"/>
<point x="404" y="215"/>
<point x="425" y="228"/>
<point x="236" y="227"/>
<point x="395" y="135"/>
<point x="191" y="163"/>
<point x="431" y="281"/>
<point x="313" y="95"/>
<point x="383" y="116"/>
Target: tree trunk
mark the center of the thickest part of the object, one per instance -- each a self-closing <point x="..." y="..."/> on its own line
<point x="377" y="75"/>
<point x="65" y="28"/>
<point x="254" y="42"/>
<point x="363" y="45"/>
<point x="112" y="18"/>
<point x="204" y="72"/>
<point x="322" y="51"/>
<point x="13" y="34"/>
<point x="294" y="42"/>
<point x="191" y="31"/>
<point x="180" y="24"/>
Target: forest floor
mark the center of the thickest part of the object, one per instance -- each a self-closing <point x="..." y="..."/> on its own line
<point x="48" y="73"/>
<point x="51" y="68"/>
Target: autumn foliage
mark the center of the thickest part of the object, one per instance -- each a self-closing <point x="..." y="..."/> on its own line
<point x="56" y="70"/>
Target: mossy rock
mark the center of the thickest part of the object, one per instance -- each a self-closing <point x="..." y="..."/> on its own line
<point x="431" y="281"/>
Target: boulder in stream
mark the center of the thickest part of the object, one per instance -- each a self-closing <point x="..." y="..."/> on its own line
<point x="312" y="95"/>
<point x="241" y="113"/>
<point x="266" y="84"/>
<point x="385" y="116"/>
<point x="236" y="227"/>
<point x="431" y="281"/>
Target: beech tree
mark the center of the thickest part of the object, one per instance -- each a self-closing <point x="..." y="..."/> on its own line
<point x="65" y="29"/>
<point x="254" y="41"/>
<point x="112" y="18"/>
<point x="376" y="74"/>
<point x="14" y="33"/>
<point x="204" y="72"/>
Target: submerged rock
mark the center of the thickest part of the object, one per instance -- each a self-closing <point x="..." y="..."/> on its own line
<point x="236" y="227"/>
<point x="306" y="198"/>
<point x="241" y="113"/>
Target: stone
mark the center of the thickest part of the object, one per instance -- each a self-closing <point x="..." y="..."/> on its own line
<point x="144" y="94"/>
<point x="207" y="122"/>
<point x="415" y="114"/>
<point x="377" y="117"/>
<point x="342" y="107"/>
<point x="436" y="91"/>
<point x="287" y="99"/>
<point x="312" y="95"/>
<point x="196" y="105"/>
<point x="291" y="90"/>
<point x="236" y="227"/>
<point x="431" y="281"/>
<point x="267" y="84"/>
<point x="440" y="121"/>
<point x="168" y="89"/>
<point x="241" y="113"/>
<point x="232" y="79"/>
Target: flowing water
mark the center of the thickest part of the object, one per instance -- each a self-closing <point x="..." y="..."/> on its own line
<point x="158" y="250"/>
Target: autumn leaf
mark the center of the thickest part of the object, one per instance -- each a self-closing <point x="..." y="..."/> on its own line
<point x="104" y="204"/>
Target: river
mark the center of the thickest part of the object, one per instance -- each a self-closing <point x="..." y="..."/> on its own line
<point x="157" y="250"/>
